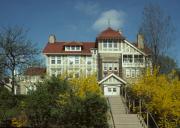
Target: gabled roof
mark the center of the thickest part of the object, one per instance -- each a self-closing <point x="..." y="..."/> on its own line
<point x="58" y="48"/>
<point x="112" y="75"/>
<point x="109" y="33"/>
<point x="135" y="47"/>
<point x="35" y="71"/>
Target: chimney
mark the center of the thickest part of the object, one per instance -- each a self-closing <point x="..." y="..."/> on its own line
<point x="140" y="41"/>
<point x="52" y="39"/>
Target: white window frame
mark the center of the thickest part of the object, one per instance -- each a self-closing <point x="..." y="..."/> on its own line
<point x="77" y="60"/>
<point x="58" y="58"/>
<point x="133" y="73"/>
<point x="128" y="73"/>
<point x="53" y="59"/>
<point x="138" y="59"/>
<point x="137" y="72"/>
<point x="127" y="59"/>
<point x="105" y="66"/>
<point x="89" y="60"/>
<point x="72" y="48"/>
<point x="109" y="46"/>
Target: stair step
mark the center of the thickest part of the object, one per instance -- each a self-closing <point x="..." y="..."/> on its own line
<point x="121" y="119"/>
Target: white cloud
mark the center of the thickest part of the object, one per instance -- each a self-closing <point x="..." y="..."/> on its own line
<point x="88" y="8"/>
<point x="114" y="17"/>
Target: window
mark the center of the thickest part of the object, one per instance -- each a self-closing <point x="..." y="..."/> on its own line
<point x="109" y="89"/>
<point x="88" y="62"/>
<point x="141" y="58"/>
<point x="105" y="67"/>
<point x="89" y="69"/>
<point x="127" y="73"/>
<point x="110" y="65"/>
<point x="138" y="58"/>
<point x="114" y="90"/>
<point x="110" y="68"/>
<point x="73" y="48"/>
<point x="137" y="73"/>
<point x="110" y="44"/>
<point x="115" y="68"/>
<point x="133" y="73"/>
<point x="53" y="60"/>
<point x="77" y="48"/>
<point x="67" y="48"/>
<point x="115" y="44"/>
<point x="130" y="59"/>
<point x="58" y="60"/>
<point x="95" y="51"/>
<point x="105" y="44"/>
<point x="70" y="62"/>
<point x="77" y="60"/>
<point x="127" y="58"/>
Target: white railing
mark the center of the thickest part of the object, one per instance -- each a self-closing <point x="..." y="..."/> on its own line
<point x="112" y="117"/>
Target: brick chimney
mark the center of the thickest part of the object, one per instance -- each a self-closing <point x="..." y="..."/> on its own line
<point x="52" y="39"/>
<point x="140" y="41"/>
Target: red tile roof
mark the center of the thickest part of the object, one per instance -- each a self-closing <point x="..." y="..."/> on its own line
<point x="73" y="43"/>
<point x="109" y="33"/>
<point x="35" y="71"/>
<point x="58" y="48"/>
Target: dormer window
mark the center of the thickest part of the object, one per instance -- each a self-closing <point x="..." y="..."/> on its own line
<point x="72" y="48"/>
<point x="78" y="48"/>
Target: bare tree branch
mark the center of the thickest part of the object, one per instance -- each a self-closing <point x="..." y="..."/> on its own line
<point x="158" y="31"/>
<point x="16" y="50"/>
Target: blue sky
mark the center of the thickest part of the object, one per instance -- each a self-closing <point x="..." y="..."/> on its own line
<point x="82" y="20"/>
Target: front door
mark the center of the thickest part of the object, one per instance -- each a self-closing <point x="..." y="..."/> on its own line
<point x="112" y="90"/>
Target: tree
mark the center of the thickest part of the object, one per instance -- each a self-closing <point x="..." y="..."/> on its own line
<point x="84" y="85"/>
<point x="16" y="50"/>
<point x="158" y="31"/>
<point x="56" y="104"/>
<point x="161" y="96"/>
<point x="167" y="64"/>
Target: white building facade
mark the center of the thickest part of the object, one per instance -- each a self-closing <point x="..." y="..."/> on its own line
<point x="115" y="60"/>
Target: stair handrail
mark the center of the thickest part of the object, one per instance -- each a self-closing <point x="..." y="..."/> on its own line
<point x="126" y="99"/>
<point x="111" y="113"/>
<point x="153" y="119"/>
<point x="142" y="122"/>
<point x="125" y="104"/>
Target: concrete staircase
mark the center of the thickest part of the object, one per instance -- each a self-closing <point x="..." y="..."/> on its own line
<point x="120" y="116"/>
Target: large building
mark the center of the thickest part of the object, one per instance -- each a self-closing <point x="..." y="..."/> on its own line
<point x="114" y="59"/>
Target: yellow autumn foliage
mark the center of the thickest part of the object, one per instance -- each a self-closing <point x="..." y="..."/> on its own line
<point x="83" y="84"/>
<point x="161" y="94"/>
